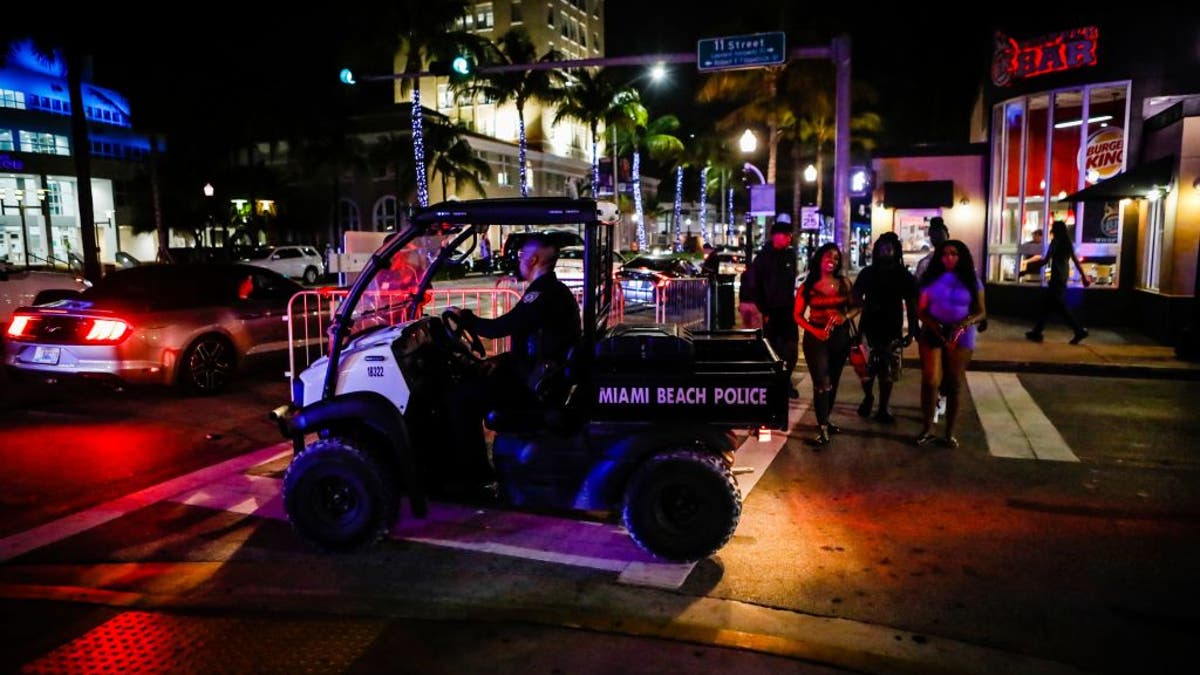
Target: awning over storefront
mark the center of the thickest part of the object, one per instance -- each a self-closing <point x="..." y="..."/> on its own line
<point x="918" y="194"/>
<point x="1136" y="182"/>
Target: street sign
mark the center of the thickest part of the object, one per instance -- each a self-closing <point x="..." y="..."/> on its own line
<point x="741" y="51"/>
<point x="762" y="200"/>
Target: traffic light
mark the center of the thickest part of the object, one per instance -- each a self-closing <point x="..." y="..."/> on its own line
<point x="458" y="69"/>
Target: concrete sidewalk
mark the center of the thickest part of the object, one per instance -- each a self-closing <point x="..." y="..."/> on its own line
<point x="1106" y="351"/>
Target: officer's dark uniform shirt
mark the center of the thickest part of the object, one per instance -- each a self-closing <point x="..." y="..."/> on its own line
<point x="544" y="325"/>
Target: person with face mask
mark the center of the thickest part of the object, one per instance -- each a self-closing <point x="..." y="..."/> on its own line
<point x="886" y="291"/>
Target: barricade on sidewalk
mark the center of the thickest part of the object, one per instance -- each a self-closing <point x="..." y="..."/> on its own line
<point x="683" y="301"/>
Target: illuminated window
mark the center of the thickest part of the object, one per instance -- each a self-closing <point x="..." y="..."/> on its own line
<point x="1152" y="256"/>
<point x="12" y="99"/>
<point x="483" y="17"/>
<point x="6" y="139"/>
<point x="54" y="197"/>
<point x="384" y="218"/>
<point x="348" y="215"/>
<point x="43" y="143"/>
<point x="1042" y="150"/>
<point x="445" y="96"/>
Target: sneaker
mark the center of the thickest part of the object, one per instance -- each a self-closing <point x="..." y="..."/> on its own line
<point x="925" y="438"/>
<point x="885" y="417"/>
<point x="1079" y="337"/>
<point x="1034" y="336"/>
<point x="940" y="409"/>
<point x="833" y="428"/>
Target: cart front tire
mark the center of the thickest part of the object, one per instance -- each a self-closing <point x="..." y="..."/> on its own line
<point x="682" y="505"/>
<point x="338" y="497"/>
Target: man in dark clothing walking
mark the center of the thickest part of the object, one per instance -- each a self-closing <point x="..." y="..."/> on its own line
<point x="770" y="286"/>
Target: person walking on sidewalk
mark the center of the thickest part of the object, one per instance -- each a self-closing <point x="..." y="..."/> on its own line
<point x="1060" y="254"/>
<point x="938" y="233"/>
<point x="769" y="290"/>
<point x="951" y="305"/>
<point x="885" y="290"/>
<point x="823" y="306"/>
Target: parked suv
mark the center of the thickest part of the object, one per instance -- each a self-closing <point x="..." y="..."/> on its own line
<point x="512" y="245"/>
<point x="298" y="262"/>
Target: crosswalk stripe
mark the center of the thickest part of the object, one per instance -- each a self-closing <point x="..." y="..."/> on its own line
<point x="1014" y="424"/>
<point x="1004" y="435"/>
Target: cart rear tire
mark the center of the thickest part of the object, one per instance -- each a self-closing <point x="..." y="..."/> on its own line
<point x="682" y="505"/>
<point x="338" y="497"/>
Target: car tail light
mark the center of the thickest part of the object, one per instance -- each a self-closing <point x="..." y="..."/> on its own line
<point x="58" y="328"/>
<point x="107" y="332"/>
<point x="17" y="328"/>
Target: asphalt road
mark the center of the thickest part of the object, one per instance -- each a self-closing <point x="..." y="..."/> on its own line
<point x="873" y="555"/>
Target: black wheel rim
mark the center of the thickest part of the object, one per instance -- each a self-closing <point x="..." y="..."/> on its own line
<point x="336" y="501"/>
<point x="209" y="364"/>
<point x="678" y="506"/>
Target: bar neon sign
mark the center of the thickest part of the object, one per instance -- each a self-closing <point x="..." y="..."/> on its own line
<point x="1065" y="50"/>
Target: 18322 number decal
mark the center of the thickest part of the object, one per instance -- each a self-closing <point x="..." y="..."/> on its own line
<point x="374" y="371"/>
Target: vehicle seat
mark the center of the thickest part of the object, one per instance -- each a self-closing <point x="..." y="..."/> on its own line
<point x="552" y="387"/>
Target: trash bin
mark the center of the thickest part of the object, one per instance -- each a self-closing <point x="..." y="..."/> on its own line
<point x="723" y="314"/>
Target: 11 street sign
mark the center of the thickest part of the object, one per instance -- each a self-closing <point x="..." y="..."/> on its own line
<point x="741" y="51"/>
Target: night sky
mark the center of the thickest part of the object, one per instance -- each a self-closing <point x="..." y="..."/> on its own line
<point x="242" y="70"/>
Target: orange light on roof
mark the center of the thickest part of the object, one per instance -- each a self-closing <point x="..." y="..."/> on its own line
<point x="107" y="330"/>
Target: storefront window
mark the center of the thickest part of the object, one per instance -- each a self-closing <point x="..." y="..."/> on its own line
<point x="1042" y="151"/>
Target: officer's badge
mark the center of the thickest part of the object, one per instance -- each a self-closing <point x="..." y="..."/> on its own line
<point x="531" y="296"/>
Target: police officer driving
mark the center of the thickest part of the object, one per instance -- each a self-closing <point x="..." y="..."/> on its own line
<point x="544" y="326"/>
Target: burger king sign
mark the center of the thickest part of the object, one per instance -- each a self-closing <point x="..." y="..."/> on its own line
<point x="1103" y="156"/>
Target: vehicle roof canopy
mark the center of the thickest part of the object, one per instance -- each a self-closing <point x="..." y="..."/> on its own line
<point x="509" y="211"/>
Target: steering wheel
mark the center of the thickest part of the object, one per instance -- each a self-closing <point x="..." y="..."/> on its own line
<point x="461" y="338"/>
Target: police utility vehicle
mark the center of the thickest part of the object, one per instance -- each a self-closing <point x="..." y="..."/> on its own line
<point x="638" y="424"/>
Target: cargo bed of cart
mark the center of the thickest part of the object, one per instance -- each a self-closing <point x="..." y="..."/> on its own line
<point x="668" y="374"/>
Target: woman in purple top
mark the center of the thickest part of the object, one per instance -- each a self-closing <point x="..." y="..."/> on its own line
<point x="951" y="304"/>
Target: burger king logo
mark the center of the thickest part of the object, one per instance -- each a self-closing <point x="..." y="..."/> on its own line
<point x="1104" y="153"/>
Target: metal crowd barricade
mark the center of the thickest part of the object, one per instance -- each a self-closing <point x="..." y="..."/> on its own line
<point x="683" y="301"/>
<point x="310" y="313"/>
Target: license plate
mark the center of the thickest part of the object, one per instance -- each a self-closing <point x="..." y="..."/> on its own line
<point x="46" y="355"/>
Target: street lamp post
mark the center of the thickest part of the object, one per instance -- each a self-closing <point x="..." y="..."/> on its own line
<point x="810" y="176"/>
<point x="748" y="143"/>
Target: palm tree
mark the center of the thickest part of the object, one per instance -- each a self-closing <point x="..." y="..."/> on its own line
<point x="712" y="155"/>
<point x="454" y="159"/>
<point x="516" y="85"/>
<point x="414" y="33"/>
<point x="590" y="97"/>
<point x="813" y="123"/>
<point x="763" y="104"/>
<point x="393" y="155"/>
<point x="324" y="158"/>
<point x="656" y="137"/>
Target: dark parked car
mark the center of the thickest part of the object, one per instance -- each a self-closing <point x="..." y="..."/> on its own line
<point x="641" y="276"/>
<point x="507" y="262"/>
<point x="189" y="325"/>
